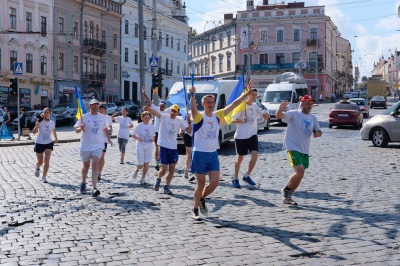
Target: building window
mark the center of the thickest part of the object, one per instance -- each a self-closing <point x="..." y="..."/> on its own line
<point x="296" y="35"/>
<point x="167" y="40"/>
<point x="103" y="36"/>
<point x="13" y="58"/>
<point x="97" y="32"/>
<point x="126" y="55"/>
<point x="184" y="46"/>
<point x="29" y="63"/>
<point x="295" y="58"/>
<point x="28" y="22"/>
<point x="126" y="26"/>
<point x="115" y="71"/>
<point x="213" y="65"/>
<point x="91" y="29"/>
<point x="178" y="45"/>
<point x="136" y="30"/>
<point x="160" y="36"/>
<point x="263" y="58"/>
<point x="221" y="65"/>
<point x="313" y="33"/>
<point x="172" y="42"/>
<point x="13" y="18"/>
<point x="43" y="26"/>
<point x="145" y="33"/>
<point x="61" y="25"/>
<point x="104" y="66"/>
<point x="115" y="41"/>
<point x="229" y="38"/>
<point x="312" y="59"/>
<point x="136" y="57"/>
<point x="85" y="65"/>
<point x="85" y="30"/>
<point x="76" y="63"/>
<point x="172" y="66"/>
<point x="279" y="35"/>
<point x="279" y="58"/>
<point x="61" y="61"/>
<point x="263" y="36"/>
<point x="43" y="65"/>
<point x="91" y="65"/>
<point x="184" y="69"/>
<point x="228" y="62"/>
<point x="177" y="68"/>
<point x="97" y="66"/>
<point x="213" y="43"/>
<point x="75" y="30"/>
<point x="221" y="43"/>
<point x="206" y="70"/>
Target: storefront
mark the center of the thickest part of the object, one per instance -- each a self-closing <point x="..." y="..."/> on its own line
<point x="110" y="93"/>
<point x="65" y="92"/>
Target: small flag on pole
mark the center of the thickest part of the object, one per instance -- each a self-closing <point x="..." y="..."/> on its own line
<point x="81" y="108"/>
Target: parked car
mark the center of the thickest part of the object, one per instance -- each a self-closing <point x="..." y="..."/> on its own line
<point x="378" y="101"/>
<point x="133" y="110"/>
<point x="64" y="106"/>
<point x="384" y="128"/>
<point x="362" y="104"/>
<point x="347" y="95"/>
<point x="355" y="94"/>
<point x="30" y="118"/>
<point x="345" y="113"/>
<point x="261" y="122"/>
<point x="111" y="107"/>
<point x="124" y="102"/>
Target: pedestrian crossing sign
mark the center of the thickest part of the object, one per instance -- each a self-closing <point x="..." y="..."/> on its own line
<point x="153" y="61"/>
<point x="18" y="68"/>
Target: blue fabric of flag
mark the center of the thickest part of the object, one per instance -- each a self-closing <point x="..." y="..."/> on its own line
<point x="237" y="91"/>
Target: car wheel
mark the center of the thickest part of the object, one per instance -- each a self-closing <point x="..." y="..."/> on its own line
<point x="380" y="138"/>
<point x="330" y="125"/>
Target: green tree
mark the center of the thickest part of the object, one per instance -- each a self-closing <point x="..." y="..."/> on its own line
<point x="192" y="34"/>
<point x="364" y="79"/>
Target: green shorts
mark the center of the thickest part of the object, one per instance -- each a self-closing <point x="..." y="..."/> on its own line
<point x="297" y="158"/>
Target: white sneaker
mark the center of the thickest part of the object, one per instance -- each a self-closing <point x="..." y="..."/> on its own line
<point x="44" y="179"/>
<point x="143" y="181"/>
<point x="135" y="174"/>
<point x="37" y="172"/>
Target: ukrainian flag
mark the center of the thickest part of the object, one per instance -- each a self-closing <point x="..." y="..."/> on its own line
<point x="236" y="93"/>
<point x="81" y="108"/>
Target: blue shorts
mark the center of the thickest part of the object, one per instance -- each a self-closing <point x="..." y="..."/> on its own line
<point x="168" y="156"/>
<point x="203" y="162"/>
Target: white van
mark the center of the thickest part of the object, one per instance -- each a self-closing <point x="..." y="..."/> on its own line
<point x="221" y="89"/>
<point x="288" y="86"/>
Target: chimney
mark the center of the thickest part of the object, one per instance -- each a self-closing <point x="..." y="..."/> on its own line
<point x="250" y="5"/>
<point x="228" y="18"/>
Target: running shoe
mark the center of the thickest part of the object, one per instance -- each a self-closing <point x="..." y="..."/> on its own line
<point x="195" y="214"/>
<point x="157" y="167"/>
<point x="135" y="174"/>
<point x="156" y="185"/>
<point x="95" y="192"/>
<point x="121" y="161"/>
<point x="44" y="179"/>
<point x="235" y="183"/>
<point x="143" y="181"/>
<point x="192" y="178"/>
<point x="83" y="188"/>
<point x="99" y="176"/>
<point x="203" y="207"/>
<point x="37" y="172"/>
<point x="287" y="197"/>
<point x="167" y="190"/>
<point x="248" y="180"/>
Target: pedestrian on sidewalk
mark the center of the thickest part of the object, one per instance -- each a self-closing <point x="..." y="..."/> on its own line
<point x="167" y="140"/>
<point x="23" y="122"/>
<point x="246" y="139"/>
<point x="144" y="136"/>
<point x="125" y="123"/>
<point x="44" y="127"/>
<point x="205" y="144"/>
<point x="6" y="133"/>
<point x="160" y="109"/>
<point x="103" y="109"/>
<point x="301" y="124"/>
<point x="93" y="126"/>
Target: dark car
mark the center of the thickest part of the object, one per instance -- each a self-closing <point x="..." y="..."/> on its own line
<point x="345" y="113"/>
<point x="133" y="110"/>
<point x="124" y="102"/>
<point x="378" y="101"/>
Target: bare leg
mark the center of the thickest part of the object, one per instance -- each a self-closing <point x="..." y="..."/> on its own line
<point x="170" y="175"/>
<point x="85" y="170"/>
<point x="252" y="162"/>
<point x="201" y="182"/>
<point x="102" y="162"/>
<point x="47" y="155"/>
<point x="214" y="181"/>
<point x="95" y="170"/>
<point x="188" y="157"/>
<point x="295" y="179"/>
<point x="239" y="161"/>
<point x="145" y="170"/>
<point x="162" y="171"/>
<point x="39" y="160"/>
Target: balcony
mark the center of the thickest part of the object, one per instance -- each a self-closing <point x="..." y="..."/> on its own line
<point x="311" y="42"/>
<point x="94" y="77"/>
<point x="94" y="47"/>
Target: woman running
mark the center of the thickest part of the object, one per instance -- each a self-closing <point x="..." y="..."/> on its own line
<point x="125" y="123"/>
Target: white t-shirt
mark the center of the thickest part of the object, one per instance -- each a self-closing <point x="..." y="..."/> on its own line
<point x="248" y="129"/>
<point x="168" y="132"/>
<point x="124" y="123"/>
<point x="146" y="132"/>
<point x="93" y="136"/>
<point x="156" y="120"/>
<point x="109" y="123"/>
<point x="299" y="130"/>
<point x="206" y="130"/>
<point x="44" y="133"/>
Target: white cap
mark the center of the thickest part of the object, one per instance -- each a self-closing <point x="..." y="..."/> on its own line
<point x="93" y="101"/>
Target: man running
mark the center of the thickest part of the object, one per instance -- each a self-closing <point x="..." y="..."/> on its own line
<point x="205" y="144"/>
<point x="93" y="126"/>
<point x="246" y="139"/>
<point x="167" y="140"/>
<point x="301" y="124"/>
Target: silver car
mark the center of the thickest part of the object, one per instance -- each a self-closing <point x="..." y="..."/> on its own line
<point x="362" y="104"/>
<point x="383" y="128"/>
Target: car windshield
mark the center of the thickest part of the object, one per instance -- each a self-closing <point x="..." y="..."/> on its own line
<point x="358" y="102"/>
<point x="277" y="96"/>
<point x="393" y="108"/>
<point x="345" y="106"/>
<point x="378" y="98"/>
<point x="120" y="107"/>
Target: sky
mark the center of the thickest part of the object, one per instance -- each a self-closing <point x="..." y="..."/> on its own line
<point x="371" y="26"/>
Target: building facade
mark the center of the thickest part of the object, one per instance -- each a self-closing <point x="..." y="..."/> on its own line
<point x="27" y="36"/>
<point x="172" y="33"/>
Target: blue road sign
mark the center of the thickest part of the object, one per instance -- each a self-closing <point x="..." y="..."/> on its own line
<point x="18" y="70"/>
<point x="153" y="61"/>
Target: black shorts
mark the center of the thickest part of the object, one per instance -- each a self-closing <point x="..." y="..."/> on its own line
<point x="40" y="148"/>
<point x="105" y="147"/>
<point x="187" y="140"/>
<point x="156" y="138"/>
<point x="243" y="146"/>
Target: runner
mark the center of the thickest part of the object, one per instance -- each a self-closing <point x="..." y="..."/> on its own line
<point x="187" y="140"/>
<point x="169" y="128"/>
<point x="125" y="123"/>
<point x="94" y="128"/>
<point x="144" y="136"/>
<point x="205" y="144"/>
<point x="103" y="109"/>
<point x="44" y="143"/>
<point x="246" y="139"/>
<point x="301" y="124"/>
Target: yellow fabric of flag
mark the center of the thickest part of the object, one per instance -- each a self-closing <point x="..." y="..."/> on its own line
<point x="241" y="107"/>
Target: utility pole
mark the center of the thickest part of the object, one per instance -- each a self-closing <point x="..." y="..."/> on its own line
<point x="248" y="53"/>
<point x="316" y="69"/>
<point x="141" y="52"/>
<point x="154" y="46"/>
<point x="81" y="48"/>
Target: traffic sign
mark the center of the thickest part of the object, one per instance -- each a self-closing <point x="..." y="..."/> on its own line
<point x="18" y="70"/>
<point x="153" y="61"/>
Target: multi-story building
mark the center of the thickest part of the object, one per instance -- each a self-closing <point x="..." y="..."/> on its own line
<point x="87" y="49"/>
<point x="172" y="32"/>
<point x="214" y="51"/>
<point x="26" y="35"/>
<point x="292" y="37"/>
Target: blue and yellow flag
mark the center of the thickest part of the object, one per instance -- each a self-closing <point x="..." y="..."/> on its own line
<point x="236" y="93"/>
<point x="81" y="108"/>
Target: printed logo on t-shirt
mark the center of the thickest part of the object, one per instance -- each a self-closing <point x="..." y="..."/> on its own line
<point x="147" y="136"/>
<point x="171" y="129"/>
<point x="250" y="117"/>
<point x="95" y="128"/>
<point x="306" y="126"/>
<point x="211" y="132"/>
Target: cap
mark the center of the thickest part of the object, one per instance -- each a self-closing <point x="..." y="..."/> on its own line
<point x="175" y="107"/>
<point x="163" y="102"/>
<point x="103" y="106"/>
<point x="93" y="101"/>
<point x="307" y="98"/>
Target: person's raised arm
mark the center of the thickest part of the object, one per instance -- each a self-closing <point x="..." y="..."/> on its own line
<point x="281" y="109"/>
<point x="146" y="97"/>
<point x="236" y="102"/>
<point x="193" y="106"/>
<point x="152" y="111"/>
